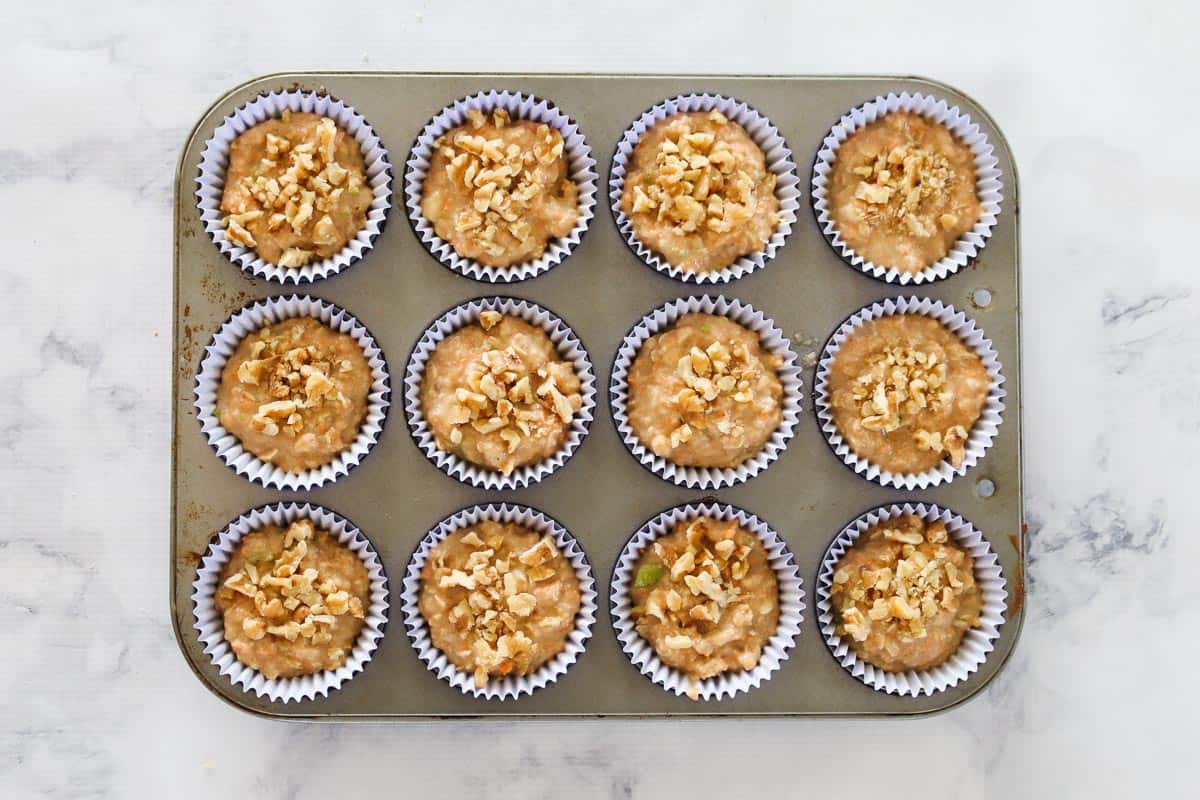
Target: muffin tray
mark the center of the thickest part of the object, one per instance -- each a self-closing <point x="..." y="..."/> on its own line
<point x="602" y="495"/>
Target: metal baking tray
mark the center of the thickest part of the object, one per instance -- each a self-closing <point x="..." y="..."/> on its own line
<point x="602" y="494"/>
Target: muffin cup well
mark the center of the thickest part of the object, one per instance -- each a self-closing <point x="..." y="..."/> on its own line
<point x="209" y="623"/>
<point x="229" y="448"/>
<point x="580" y="164"/>
<point x="772" y="340"/>
<point x="513" y="686"/>
<point x="976" y="643"/>
<point x="988" y="185"/>
<point x="214" y="160"/>
<point x="569" y="349"/>
<point x="778" y="159"/>
<point x="641" y="653"/>
<point x="982" y="433"/>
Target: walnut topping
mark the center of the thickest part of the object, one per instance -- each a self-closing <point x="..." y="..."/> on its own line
<point x="710" y="569"/>
<point x="901" y="382"/>
<point x="905" y="596"/>
<point x="489" y="319"/>
<point x="504" y="396"/>
<point x="502" y="179"/>
<point x="900" y="185"/>
<point x="953" y="442"/>
<point x="706" y="376"/>
<point x="498" y="600"/>
<point x="698" y="182"/>
<point x="292" y="603"/>
<point x="299" y="185"/>
<point x="298" y="377"/>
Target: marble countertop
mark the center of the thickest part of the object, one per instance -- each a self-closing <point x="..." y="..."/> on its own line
<point x="96" y="700"/>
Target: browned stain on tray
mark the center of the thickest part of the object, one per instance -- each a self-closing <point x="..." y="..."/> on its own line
<point x="218" y="291"/>
<point x="1017" y="599"/>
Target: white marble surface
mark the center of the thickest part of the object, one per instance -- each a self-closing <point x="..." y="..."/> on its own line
<point x="95" y="700"/>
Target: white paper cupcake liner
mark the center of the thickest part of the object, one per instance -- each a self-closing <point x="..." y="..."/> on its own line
<point x="580" y="165"/>
<point x="982" y="433"/>
<point x="569" y="349"/>
<point x="225" y="341"/>
<point x="987" y="184"/>
<point x="209" y="624"/>
<point x="214" y="160"/>
<point x="510" y="687"/>
<point x="778" y="159"/>
<point x="976" y="643"/>
<point x="772" y="339"/>
<point x="641" y="653"/>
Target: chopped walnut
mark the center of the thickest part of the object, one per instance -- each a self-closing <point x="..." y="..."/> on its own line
<point x="900" y="186"/>
<point x="297" y="185"/>
<point x="707" y="376"/>
<point x="698" y="182"/>
<point x="299" y="377"/>
<point x="899" y="382"/>
<point x="497" y="599"/>
<point x="952" y="442"/>
<point x="903" y="596"/>
<point x="504" y="396"/>
<point x="501" y="177"/>
<point x="292" y="603"/>
<point x="710" y="569"/>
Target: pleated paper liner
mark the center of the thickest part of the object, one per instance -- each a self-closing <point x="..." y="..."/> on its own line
<point x="580" y="164"/>
<point x="214" y="161"/>
<point x="779" y="162"/>
<point x="510" y="687"/>
<point x="988" y="186"/>
<point x="771" y="338"/>
<point x="247" y="321"/>
<point x="982" y="433"/>
<point x="640" y="652"/>
<point x="208" y="621"/>
<point x="569" y="348"/>
<point x="976" y="644"/>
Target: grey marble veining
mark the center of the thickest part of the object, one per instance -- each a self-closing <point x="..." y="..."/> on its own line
<point x="95" y="700"/>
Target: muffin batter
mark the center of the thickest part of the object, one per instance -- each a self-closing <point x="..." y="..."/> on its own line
<point x="497" y="395"/>
<point x="706" y="598"/>
<point x="295" y="393"/>
<point x="295" y="189"/>
<point x="902" y="191"/>
<point x="698" y="192"/>
<point x="499" y="190"/>
<point x="904" y="595"/>
<point x="292" y="601"/>
<point x="704" y="393"/>
<point x="499" y="599"/>
<point x="905" y="393"/>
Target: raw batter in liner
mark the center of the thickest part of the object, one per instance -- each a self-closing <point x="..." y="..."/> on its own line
<point x="496" y="394"/>
<point x="295" y="189"/>
<point x="499" y="599"/>
<point x="904" y="595"/>
<point x="698" y="192"/>
<point x="293" y="602"/>
<point x="295" y="393"/>
<point x="499" y="190"/>
<point x="902" y="191"/>
<point x="704" y="393"/>
<point x="905" y="393"/>
<point x="706" y="598"/>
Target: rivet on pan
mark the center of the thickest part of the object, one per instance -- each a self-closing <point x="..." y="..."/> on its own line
<point x="985" y="488"/>
<point x="981" y="297"/>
